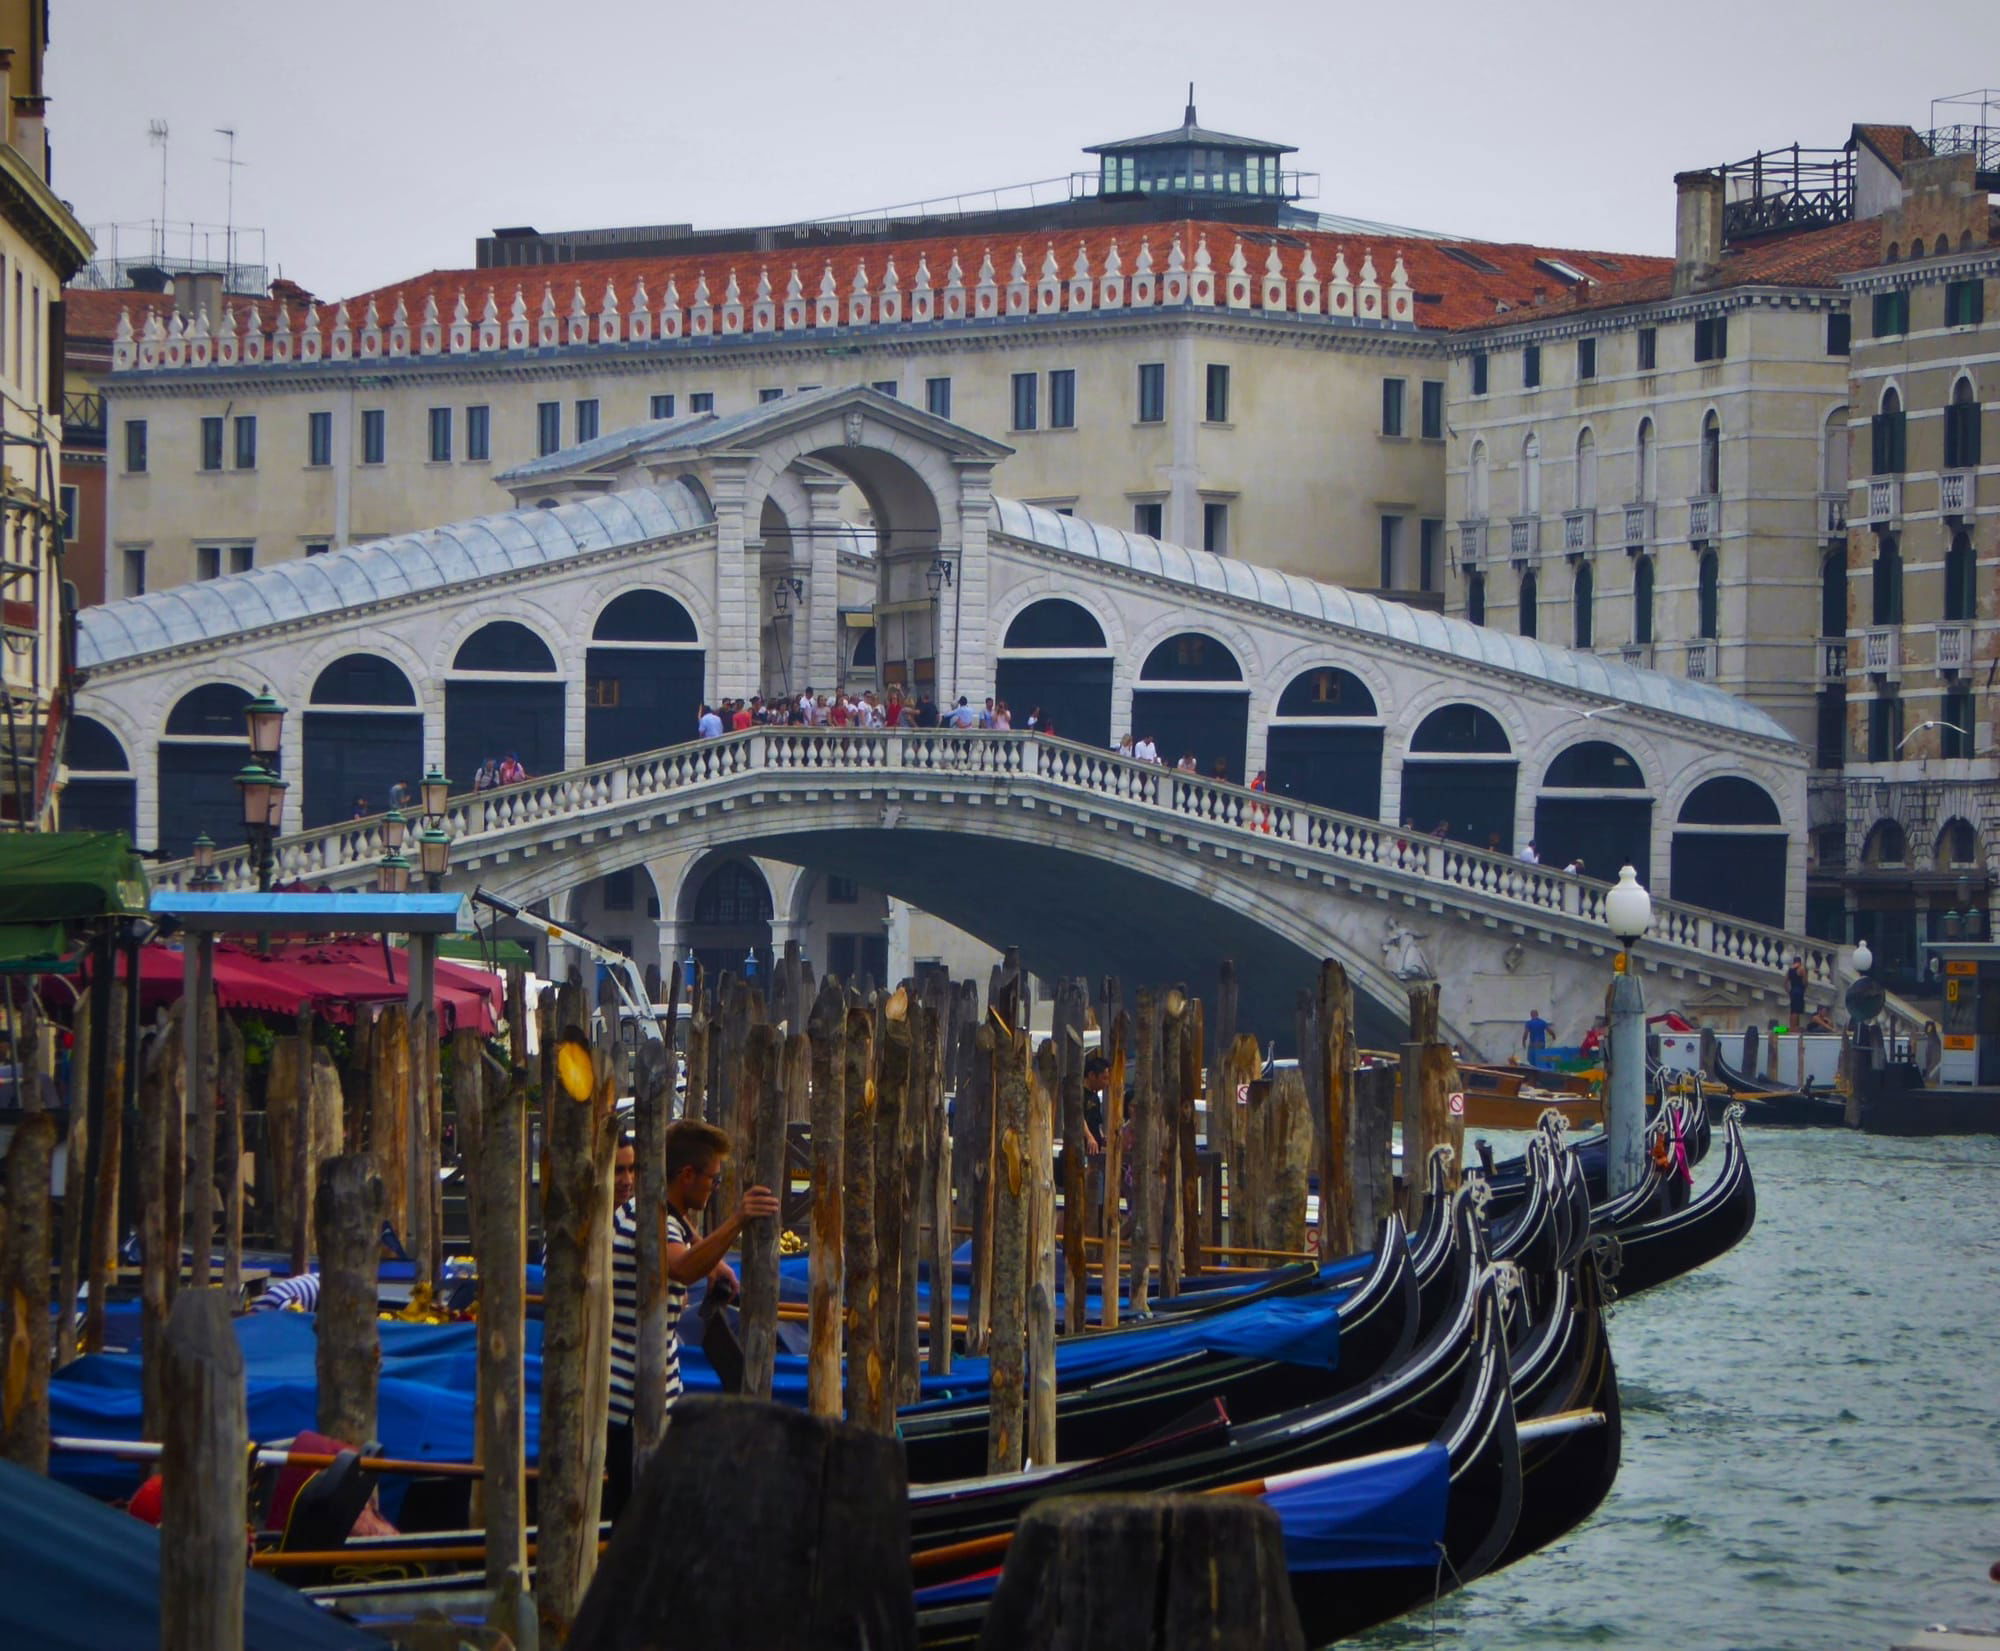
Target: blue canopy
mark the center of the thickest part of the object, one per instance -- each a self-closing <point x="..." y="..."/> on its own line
<point x="76" y="1575"/>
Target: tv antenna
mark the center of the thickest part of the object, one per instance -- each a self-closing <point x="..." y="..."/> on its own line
<point x="156" y="134"/>
<point x="229" y="219"/>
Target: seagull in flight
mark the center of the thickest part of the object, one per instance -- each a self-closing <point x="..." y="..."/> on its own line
<point x="1929" y="722"/>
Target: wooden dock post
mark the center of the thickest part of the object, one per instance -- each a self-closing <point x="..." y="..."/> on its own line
<point x="500" y="1233"/>
<point x="576" y="1223"/>
<point x="765" y="1168"/>
<point x="1370" y="1133"/>
<point x="1006" y="1435"/>
<point x="389" y="1113"/>
<point x="911" y="1160"/>
<point x="229" y="1084"/>
<point x="1421" y="1131"/>
<point x="894" y="1243"/>
<point x="24" y="1295"/>
<point x="867" y="1375"/>
<point x="301" y="1166"/>
<point x="829" y="1157"/>
<point x="829" y="1566"/>
<point x="1112" y="1261"/>
<point x="348" y="1355"/>
<point x="1041" y="1371"/>
<point x="1173" y="1006"/>
<point x="1145" y="1573"/>
<point x="940" y="1003"/>
<point x="1070" y="1007"/>
<point x="1145" y="1150"/>
<point x="1289" y="1132"/>
<point x="159" y="1242"/>
<point x="1191" y="1229"/>
<point x="205" y="1473"/>
<point x="1333" y="1053"/>
<point x="1241" y="1062"/>
<point x="102" y="1176"/>
<point x="80" y="1165"/>
<point x="198" y="1032"/>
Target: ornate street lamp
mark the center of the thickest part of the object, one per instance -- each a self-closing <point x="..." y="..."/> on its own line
<point x="265" y="721"/>
<point x="1628" y="913"/>
<point x="263" y="795"/>
<point x="392" y="875"/>
<point x="1628" y="908"/>
<point x="437" y="794"/>
<point x="434" y="856"/>
<point x="395" y="827"/>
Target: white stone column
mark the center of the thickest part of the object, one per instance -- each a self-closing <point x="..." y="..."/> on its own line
<point x="966" y="662"/>
<point x="896" y="926"/>
<point x="820" y="657"/>
<point x="1184" y="407"/>
<point x="738" y="613"/>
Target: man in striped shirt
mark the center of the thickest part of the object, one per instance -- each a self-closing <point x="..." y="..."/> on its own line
<point x="695" y="1153"/>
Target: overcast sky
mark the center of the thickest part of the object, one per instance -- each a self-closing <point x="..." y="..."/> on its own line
<point x="380" y="137"/>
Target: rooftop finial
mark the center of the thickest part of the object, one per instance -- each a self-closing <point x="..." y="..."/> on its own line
<point x="1191" y="121"/>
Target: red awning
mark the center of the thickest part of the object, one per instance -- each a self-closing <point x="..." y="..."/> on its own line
<point x="332" y="980"/>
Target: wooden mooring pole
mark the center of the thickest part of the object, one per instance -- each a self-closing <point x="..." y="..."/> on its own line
<point x="348" y="1357"/>
<point x="765" y="1168"/>
<point x="24" y="1295"/>
<point x="867" y="1377"/>
<point x="829" y="1157"/>
<point x="205" y="1473"/>
<point x="500" y="1233"/>
<point x="1007" y="1348"/>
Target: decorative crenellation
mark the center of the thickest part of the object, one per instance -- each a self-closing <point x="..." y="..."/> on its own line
<point x="1283" y="281"/>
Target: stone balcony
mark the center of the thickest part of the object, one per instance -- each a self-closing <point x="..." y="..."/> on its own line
<point x="1579" y="532"/>
<point x="1524" y="538"/>
<point x="1957" y="494"/>
<point x="1639" y="523"/>
<point x="1885" y="502"/>
<point x="1882" y="650"/>
<point x="1954" y="648"/>
<point x="1704" y="518"/>
<point x="1830" y="656"/>
<point x="1703" y="661"/>
<point x="1833" y="515"/>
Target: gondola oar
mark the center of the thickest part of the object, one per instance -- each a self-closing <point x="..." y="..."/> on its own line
<point x="141" y="1450"/>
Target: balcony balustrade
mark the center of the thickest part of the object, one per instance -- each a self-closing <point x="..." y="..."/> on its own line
<point x="1882" y="650"/>
<point x="1954" y="647"/>
<point x="1579" y="532"/>
<point x="1524" y="538"/>
<point x="1833" y="515"/>
<point x="1639" y="523"/>
<point x="1885" y="501"/>
<point x="1704" y="518"/>
<point x="1955" y="493"/>
<point x="1703" y="661"/>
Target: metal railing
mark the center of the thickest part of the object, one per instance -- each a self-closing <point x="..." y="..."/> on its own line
<point x="82" y="416"/>
<point x="588" y="799"/>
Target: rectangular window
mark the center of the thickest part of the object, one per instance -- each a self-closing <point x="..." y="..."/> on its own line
<point x="208" y="561"/>
<point x="1839" y="333"/>
<point x="1146" y="518"/>
<point x="1392" y="406"/>
<point x="702" y="401"/>
<point x="621" y="891"/>
<point x="1649" y="349"/>
<point x="1888" y="446"/>
<point x="246" y="443"/>
<point x="135" y="447"/>
<point x="135" y="570"/>
<point x="1964" y="303"/>
<point x="1831" y="744"/>
<point x="1711" y="338"/>
<point x="548" y="427"/>
<point x="1024" y="401"/>
<point x="1531" y="367"/>
<point x="586" y="419"/>
<point x="1062" y="399"/>
<point x="842" y="891"/>
<point x="1961" y="435"/>
<point x="1885" y="728"/>
<point x="1479" y="374"/>
<point x="1217" y="410"/>
<point x="1392" y="544"/>
<point x="319" y="547"/>
<point x="72" y="509"/>
<point x="1215" y="527"/>
<point x="211" y="444"/>
<point x="661" y="407"/>
<point x="881" y="386"/>
<point x="374" y="436"/>
<point x="1892" y="314"/>
<point x="440" y="435"/>
<point x="1433" y="410"/>
<point x="478" y="433"/>
<point x="1430" y="542"/>
<point x="319" y="438"/>
<point x="937" y="396"/>
<point x="1152" y="392"/>
<point x="1586" y="358"/>
<point x="1955" y="729"/>
<point x="242" y="558"/>
<point x="768" y="394"/>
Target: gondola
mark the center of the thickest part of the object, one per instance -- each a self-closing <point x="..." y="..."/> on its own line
<point x="1776" y="1105"/>
<point x="1648" y="1253"/>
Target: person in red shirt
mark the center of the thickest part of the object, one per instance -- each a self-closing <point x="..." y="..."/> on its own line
<point x="741" y="719"/>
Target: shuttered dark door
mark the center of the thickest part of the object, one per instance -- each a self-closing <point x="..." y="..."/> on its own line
<point x="1331" y="767"/>
<point x="1211" y="725"/>
<point x="1608" y="832"/>
<point x="1477" y="798"/>
<point x="1741" y="875"/>
<point x="490" y="719"/>
<point x="100" y="805"/>
<point x="1074" y="694"/>
<point x="655" y="700"/>
<point x="352" y="755"/>
<point x="198" y="793"/>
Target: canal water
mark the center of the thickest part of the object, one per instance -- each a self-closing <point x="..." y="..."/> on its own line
<point x="1812" y="1427"/>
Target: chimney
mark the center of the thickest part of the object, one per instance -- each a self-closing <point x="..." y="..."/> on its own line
<point x="196" y="292"/>
<point x="1697" y="229"/>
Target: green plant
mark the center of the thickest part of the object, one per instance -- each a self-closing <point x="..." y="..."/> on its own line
<point x="258" y="1041"/>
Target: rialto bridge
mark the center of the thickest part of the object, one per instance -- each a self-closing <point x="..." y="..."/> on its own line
<point x="1407" y="755"/>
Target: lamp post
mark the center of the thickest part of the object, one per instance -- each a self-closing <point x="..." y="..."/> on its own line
<point x="392" y="875"/>
<point x="434" y="844"/>
<point x="205" y="877"/>
<point x="1628" y="913"/>
<point x="263" y="795"/>
<point x="937" y="579"/>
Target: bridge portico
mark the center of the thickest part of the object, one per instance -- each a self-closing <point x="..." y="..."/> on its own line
<point x="648" y="562"/>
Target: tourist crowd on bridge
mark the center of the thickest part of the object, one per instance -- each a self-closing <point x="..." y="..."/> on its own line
<point x="812" y="709"/>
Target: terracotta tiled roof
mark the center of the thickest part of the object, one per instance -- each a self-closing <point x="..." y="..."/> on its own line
<point x="1895" y="144"/>
<point x="1810" y="258"/>
<point x="1450" y="286"/>
<point x="92" y="313"/>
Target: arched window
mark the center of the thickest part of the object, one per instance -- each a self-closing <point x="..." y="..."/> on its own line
<point x="1054" y="623"/>
<point x="1642" y="601"/>
<point x="734" y="893"/>
<point x="1885" y="845"/>
<point x="644" y="616"/>
<point x="1888" y="605"/>
<point x="362" y="679"/>
<point x="1708" y="597"/>
<point x="91" y="748"/>
<point x="1833" y="594"/>
<point x="1833" y="452"/>
<point x="1887" y="447"/>
<point x="1961" y="428"/>
<point x="1711" y="454"/>
<point x="1326" y="691"/>
<point x="1478" y="483"/>
<point x="1645" y="464"/>
<point x="101" y="793"/>
<point x="1529" y="618"/>
<point x="1461" y="730"/>
<point x="212" y="711"/>
<point x="1191" y="657"/>
<point x="1586" y="471"/>
<point x="1961" y="592"/>
<point x="1730" y="800"/>
<point x="1580" y="600"/>
<point x="504" y="645"/>
<point x="1594" y="765"/>
<point x="1531" y="475"/>
<point x="1957" y="845"/>
<point x="1475" y="599"/>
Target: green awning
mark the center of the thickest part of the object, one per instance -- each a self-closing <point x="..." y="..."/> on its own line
<point x="488" y="954"/>
<point x="68" y="877"/>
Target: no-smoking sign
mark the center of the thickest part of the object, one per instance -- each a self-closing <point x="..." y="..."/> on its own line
<point x="1458" y="1103"/>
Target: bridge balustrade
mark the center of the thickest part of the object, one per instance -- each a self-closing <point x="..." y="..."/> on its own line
<point x="349" y="852"/>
